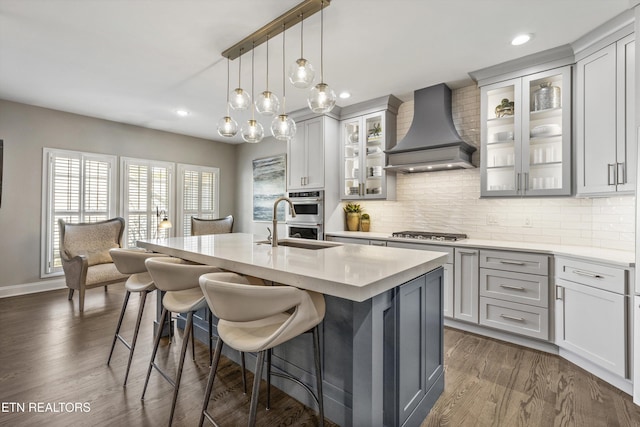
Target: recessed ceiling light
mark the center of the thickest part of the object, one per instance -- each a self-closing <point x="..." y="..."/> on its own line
<point x="182" y="113"/>
<point x="429" y="167"/>
<point x="449" y="166"/>
<point x="521" y="39"/>
<point x="344" y="95"/>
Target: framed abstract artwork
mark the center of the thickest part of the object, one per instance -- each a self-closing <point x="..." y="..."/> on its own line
<point x="269" y="183"/>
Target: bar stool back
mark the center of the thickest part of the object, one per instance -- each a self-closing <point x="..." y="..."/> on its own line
<point x="179" y="279"/>
<point x="258" y="318"/>
<point x="131" y="261"/>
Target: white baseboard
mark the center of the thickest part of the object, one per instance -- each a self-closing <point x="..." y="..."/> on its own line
<point x="32" y="288"/>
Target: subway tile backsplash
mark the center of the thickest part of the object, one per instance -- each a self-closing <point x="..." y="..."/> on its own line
<point x="450" y="201"/>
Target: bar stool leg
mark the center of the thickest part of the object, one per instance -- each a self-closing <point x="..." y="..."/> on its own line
<point x="115" y="336"/>
<point x="256" y="388"/>
<point x="193" y="345"/>
<point x="185" y="343"/>
<point x="244" y="372"/>
<point x="143" y="300"/>
<point x="268" y="379"/>
<point x="316" y="351"/>
<point x="156" y="343"/>
<point x="210" y="325"/>
<point x="212" y="376"/>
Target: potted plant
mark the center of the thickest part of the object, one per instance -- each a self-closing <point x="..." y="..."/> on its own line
<point x="353" y="211"/>
<point x="365" y="222"/>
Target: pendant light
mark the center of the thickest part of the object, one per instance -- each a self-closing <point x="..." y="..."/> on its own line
<point x="267" y="102"/>
<point x="240" y="99"/>
<point x="227" y="127"/>
<point x="301" y="72"/>
<point x="252" y="131"/>
<point x="321" y="98"/>
<point x="283" y="127"/>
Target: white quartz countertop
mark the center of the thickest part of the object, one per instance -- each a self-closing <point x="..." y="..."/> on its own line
<point x="354" y="272"/>
<point x="621" y="258"/>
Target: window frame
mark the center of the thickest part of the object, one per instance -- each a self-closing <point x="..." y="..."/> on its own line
<point x="180" y="211"/>
<point x="125" y="163"/>
<point x="48" y="213"/>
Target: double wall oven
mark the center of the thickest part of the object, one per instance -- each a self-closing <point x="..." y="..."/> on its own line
<point x="309" y="220"/>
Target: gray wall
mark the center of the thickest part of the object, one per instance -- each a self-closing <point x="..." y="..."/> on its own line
<point x="26" y="130"/>
<point x="244" y="178"/>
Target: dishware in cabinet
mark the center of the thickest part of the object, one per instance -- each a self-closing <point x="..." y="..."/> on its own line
<point x="526" y="135"/>
<point x="364" y="140"/>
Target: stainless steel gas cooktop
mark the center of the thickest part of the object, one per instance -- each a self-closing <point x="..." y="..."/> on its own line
<point x="427" y="235"/>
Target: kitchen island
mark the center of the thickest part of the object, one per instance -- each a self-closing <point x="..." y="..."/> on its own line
<point x="382" y="337"/>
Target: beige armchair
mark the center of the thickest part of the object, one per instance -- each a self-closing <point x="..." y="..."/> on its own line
<point x="84" y="249"/>
<point x="200" y="226"/>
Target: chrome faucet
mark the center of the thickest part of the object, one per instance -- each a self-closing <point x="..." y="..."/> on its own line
<point x="274" y="239"/>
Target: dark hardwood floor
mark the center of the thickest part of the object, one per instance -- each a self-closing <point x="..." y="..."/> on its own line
<point x="51" y="354"/>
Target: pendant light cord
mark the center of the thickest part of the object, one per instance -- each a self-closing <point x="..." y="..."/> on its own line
<point x="228" y="85"/>
<point x="284" y="87"/>
<point x="267" y="62"/>
<point x="322" y="41"/>
<point x="240" y="68"/>
<point x="253" y="51"/>
<point x="301" y="34"/>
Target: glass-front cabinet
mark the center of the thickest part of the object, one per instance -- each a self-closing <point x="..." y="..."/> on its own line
<point x="526" y="135"/>
<point x="364" y="140"/>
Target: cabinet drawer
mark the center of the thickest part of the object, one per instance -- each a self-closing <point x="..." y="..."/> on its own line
<point x="604" y="277"/>
<point x="421" y="247"/>
<point x="513" y="317"/>
<point x="515" y="261"/>
<point x="377" y="242"/>
<point x="516" y="287"/>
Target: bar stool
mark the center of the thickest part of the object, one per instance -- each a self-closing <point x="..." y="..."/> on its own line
<point x="258" y="318"/>
<point x="131" y="261"/>
<point x="179" y="279"/>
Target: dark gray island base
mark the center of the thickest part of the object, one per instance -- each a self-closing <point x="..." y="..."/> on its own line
<point x="382" y="358"/>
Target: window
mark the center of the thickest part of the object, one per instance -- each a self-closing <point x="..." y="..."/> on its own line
<point x="79" y="187"/>
<point x="197" y="195"/>
<point x="146" y="190"/>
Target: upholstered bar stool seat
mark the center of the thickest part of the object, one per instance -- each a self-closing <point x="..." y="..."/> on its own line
<point x="257" y="319"/>
<point x="131" y="262"/>
<point x="179" y="279"/>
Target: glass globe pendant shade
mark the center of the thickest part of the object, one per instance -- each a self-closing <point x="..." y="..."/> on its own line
<point x="301" y="74"/>
<point x="321" y="98"/>
<point x="227" y="127"/>
<point x="252" y="131"/>
<point x="267" y="103"/>
<point x="283" y="127"/>
<point x="239" y="99"/>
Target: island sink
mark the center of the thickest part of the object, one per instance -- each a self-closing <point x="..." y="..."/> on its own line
<point x="314" y="245"/>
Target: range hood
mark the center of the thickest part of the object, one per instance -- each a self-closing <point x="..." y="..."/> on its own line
<point x="432" y="142"/>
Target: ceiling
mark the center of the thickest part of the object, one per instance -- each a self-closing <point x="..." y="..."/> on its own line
<point x="137" y="61"/>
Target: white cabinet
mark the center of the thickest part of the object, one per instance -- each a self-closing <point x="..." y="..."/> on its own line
<point x="448" y="292"/>
<point x="367" y="130"/>
<point x="465" y="285"/>
<point x="526" y="135"/>
<point x="514" y="292"/>
<point x="591" y="313"/>
<point x="306" y="154"/>
<point x="606" y="144"/>
<point x="636" y="350"/>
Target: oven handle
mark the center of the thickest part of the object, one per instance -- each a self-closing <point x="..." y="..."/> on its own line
<point x="296" y="201"/>
<point x="303" y="224"/>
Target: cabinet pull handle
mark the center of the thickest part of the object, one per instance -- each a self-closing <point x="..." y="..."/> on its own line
<point x="559" y="292"/>
<point x="611" y="174"/>
<point x="621" y="175"/>
<point x="506" y="316"/>
<point x="516" y="288"/>
<point x="588" y="274"/>
<point x="526" y="182"/>
<point x="518" y="182"/>
<point x="506" y="261"/>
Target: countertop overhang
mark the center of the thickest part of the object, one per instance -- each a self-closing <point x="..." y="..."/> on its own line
<point x="611" y="256"/>
<point x="353" y="272"/>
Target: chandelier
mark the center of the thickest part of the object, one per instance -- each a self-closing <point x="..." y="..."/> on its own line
<point x="321" y="98"/>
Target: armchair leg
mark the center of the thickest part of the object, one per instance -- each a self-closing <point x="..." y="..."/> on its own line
<point x="82" y="290"/>
<point x="70" y="294"/>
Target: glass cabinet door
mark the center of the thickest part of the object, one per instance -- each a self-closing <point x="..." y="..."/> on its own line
<point x="351" y="187"/>
<point x="546" y="132"/>
<point x="501" y="138"/>
<point x="374" y="155"/>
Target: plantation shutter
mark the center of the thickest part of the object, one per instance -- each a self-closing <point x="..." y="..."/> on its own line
<point x="198" y="193"/>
